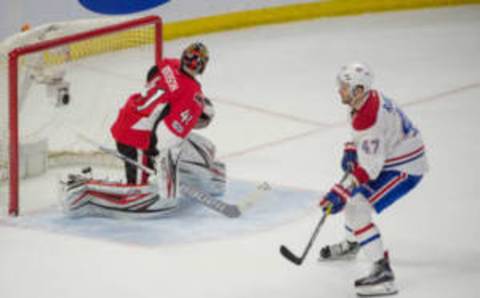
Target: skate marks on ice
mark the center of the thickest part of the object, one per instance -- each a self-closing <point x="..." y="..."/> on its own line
<point x="190" y="222"/>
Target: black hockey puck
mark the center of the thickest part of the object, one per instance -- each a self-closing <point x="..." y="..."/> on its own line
<point x="65" y="99"/>
<point x="86" y="170"/>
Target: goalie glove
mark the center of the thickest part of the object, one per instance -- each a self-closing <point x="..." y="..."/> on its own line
<point x="207" y="114"/>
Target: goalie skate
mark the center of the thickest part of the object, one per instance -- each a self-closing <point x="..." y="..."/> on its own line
<point x="380" y="282"/>
<point x="344" y="250"/>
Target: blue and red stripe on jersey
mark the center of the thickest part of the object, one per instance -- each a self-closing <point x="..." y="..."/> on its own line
<point x="405" y="158"/>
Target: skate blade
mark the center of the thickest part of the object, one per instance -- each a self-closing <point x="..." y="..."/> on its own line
<point x="384" y="289"/>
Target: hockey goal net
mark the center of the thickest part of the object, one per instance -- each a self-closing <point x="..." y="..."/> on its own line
<point x="59" y="80"/>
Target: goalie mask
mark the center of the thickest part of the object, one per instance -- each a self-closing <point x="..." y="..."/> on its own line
<point x="194" y="58"/>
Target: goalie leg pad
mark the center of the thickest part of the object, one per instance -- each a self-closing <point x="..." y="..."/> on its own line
<point x="211" y="180"/>
<point x="198" y="167"/>
<point x="100" y="198"/>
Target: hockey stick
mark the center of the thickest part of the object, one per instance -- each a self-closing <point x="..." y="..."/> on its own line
<point x="208" y="201"/>
<point x="115" y="153"/>
<point x="299" y="260"/>
<point x="253" y="197"/>
<point x="229" y="210"/>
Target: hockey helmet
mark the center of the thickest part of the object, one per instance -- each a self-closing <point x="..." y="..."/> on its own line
<point x="356" y="75"/>
<point x="194" y="58"/>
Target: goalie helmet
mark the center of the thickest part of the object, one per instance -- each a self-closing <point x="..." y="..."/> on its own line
<point x="356" y="75"/>
<point x="194" y="58"/>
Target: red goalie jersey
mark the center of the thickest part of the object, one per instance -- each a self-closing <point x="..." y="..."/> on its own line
<point x="172" y="96"/>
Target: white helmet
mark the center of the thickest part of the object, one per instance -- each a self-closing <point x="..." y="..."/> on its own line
<point x="356" y="74"/>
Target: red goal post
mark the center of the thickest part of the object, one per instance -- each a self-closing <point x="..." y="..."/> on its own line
<point x="82" y="39"/>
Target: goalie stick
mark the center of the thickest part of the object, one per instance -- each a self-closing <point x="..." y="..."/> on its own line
<point x="229" y="210"/>
<point x="204" y="198"/>
<point x="116" y="154"/>
<point x="249" y="200"/>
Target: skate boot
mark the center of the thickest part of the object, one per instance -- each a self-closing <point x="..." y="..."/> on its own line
<point x="345" y="250"/>
<point x="380" y="281"/>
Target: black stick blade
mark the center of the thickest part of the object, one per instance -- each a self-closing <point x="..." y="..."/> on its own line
<point x="290" y="256"/>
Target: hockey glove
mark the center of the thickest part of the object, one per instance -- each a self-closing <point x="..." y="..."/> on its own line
<point x="207" y="115"/>
<point x="335" y="199"/>
<point x="350" y="158"/>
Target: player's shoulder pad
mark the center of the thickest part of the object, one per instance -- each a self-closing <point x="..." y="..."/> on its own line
<point x="366" y="117"/>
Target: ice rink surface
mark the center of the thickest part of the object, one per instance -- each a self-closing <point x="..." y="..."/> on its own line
<point x="279" y="120"/>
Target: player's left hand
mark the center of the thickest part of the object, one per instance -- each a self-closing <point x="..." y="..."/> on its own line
<point x="335" y="199"/>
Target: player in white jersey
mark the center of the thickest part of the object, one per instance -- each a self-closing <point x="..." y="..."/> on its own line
<point x="384" y="161"/>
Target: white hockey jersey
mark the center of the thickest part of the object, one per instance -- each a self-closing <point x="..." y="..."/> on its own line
<point x="386" y="139"/>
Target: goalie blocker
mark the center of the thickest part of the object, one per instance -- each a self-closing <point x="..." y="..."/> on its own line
<point x="82" y="195"/>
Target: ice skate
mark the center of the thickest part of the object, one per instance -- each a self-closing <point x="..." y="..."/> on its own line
<point x="380" y="281"/>
<point x="345" y="250"/>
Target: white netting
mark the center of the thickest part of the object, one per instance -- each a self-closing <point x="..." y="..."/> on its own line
<point x="96" y="74"/>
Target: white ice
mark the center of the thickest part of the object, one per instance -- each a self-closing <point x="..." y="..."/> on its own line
<point x="279" y="120"/>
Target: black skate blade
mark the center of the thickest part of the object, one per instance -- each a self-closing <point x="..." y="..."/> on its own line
<point x="290" y="256"/>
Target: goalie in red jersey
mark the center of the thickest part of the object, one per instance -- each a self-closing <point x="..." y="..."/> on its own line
<point x="150" y="130"/>
<point x="164" y="113"/>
